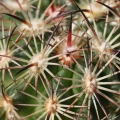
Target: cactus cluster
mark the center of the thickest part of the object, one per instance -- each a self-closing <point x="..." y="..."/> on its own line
<point x="59" y="59"/>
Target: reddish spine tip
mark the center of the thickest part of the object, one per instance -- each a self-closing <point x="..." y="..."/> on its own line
<point x="69" y="41"/>
<point x="53" y="8"/>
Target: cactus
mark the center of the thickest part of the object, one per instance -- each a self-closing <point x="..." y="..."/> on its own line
<point x="59" y="60"/>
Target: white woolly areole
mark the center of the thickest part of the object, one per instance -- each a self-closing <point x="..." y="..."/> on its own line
<point x="51" y="105"/>
<point x="4" y="60"/>
<point x="41" y="61"/>
<point x="103" y="50"/>
<point x="90" y="83"/>
<point x="14" y="6"/>
<point x="37" y="27"/>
